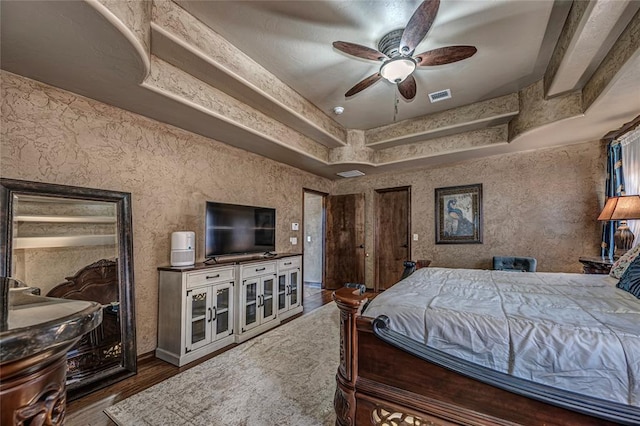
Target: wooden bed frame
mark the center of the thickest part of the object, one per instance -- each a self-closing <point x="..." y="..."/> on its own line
<point x="101" y="348"/>
<point x="385" y="378"/>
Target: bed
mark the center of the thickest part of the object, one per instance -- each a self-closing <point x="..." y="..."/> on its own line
<point x="100" y="349"/>
<point x="455" y="346"/>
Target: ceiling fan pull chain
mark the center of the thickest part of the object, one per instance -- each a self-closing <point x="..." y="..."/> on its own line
<point x="395" y="106"/>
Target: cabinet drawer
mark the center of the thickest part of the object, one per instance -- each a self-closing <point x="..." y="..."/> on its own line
<point x="210" y="276"/>
<point x="289" y="263"/>
<point x="258" y="269"/>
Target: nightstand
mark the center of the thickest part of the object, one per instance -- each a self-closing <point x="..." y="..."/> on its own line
<point x="595" y="264"/>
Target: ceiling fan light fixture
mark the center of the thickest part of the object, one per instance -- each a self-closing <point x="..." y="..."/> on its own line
<point x="397" y="69"/>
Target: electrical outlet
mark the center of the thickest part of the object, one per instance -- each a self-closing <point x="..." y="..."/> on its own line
<point x="415" y="237"/>
<point x="294" y="240"/>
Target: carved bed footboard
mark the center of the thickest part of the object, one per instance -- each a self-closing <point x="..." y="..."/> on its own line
<point x="100" y="349"/>
<point x="381" y="384"/>
<point x="350" y="302"/>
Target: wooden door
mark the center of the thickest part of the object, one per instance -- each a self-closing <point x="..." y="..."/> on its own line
<point x="392" y="234"/>
<point x="344" y="247"/>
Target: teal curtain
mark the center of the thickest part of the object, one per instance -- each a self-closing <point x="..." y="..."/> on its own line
<point x="614" y="187"/>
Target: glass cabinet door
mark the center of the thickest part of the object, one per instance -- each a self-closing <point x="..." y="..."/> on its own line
<point x="199" y="315"/>
<point x="250" y="305"/>
<point x="268" y="311"/>
<point x="222" y="311"/>
<point x="294" y="288"/>
<point x="282" y="292"/>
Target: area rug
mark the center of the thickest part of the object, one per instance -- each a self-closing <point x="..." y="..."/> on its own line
<point x="283" y="377"/>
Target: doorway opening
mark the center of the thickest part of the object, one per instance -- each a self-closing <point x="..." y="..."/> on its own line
<point x="313" y="243"/>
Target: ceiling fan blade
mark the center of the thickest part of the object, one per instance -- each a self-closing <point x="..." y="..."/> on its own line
<point x="445" y="55"/>
<point x="407" y="88"/>
<point x="363" y="84"/>
<point x="359" y="51"/>
<point x="418" y="26"/>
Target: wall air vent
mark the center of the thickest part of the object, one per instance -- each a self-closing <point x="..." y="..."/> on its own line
<point x="350" y="173"/>
<point x="440" y="96"/>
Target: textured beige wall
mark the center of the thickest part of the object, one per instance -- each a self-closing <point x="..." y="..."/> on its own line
<point x="541" y="203"/>
<point x="51" y="135"/>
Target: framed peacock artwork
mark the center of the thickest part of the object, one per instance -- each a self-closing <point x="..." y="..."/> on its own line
<point x="459" y="214"/>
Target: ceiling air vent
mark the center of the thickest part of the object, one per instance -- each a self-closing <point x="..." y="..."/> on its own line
<point x="350" y="173"/>
<point x="440" y="96"/>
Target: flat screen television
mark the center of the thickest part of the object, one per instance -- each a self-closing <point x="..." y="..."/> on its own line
<point x="237" y="229"/>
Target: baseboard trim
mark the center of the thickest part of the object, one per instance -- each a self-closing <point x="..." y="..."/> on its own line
<point x="146" y="357"/>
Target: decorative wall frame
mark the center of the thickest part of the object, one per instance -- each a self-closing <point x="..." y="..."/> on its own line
<point x="459" y="214"/>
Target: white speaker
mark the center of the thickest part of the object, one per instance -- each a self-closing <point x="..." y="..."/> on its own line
<point x="183" y="252"/>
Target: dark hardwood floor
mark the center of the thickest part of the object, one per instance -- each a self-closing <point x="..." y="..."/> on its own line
<point x="88" y="410"/>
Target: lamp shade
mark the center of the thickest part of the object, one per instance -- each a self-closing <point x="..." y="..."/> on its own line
<point x="624" y="207"/>
<point x="397" y="69"/>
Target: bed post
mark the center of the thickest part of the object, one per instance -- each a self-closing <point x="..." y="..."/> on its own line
<point x="350" y="302"/>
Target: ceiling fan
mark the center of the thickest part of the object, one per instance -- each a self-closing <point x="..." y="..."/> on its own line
<point x="396" y="48"/>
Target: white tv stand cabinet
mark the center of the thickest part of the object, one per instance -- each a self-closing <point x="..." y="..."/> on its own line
<point x="205" y="307"/>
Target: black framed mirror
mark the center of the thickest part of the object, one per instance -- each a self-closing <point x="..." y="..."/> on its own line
<point x="73" y="242"/>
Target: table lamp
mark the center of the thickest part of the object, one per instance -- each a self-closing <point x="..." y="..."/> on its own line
<point x="622" y="208"/>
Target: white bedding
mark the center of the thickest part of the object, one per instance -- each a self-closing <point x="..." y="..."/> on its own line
<point x="572" y="331"/>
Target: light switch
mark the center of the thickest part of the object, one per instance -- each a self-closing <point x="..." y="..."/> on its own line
<point x="294" y="240"/>
<point x="415" y="237"/>
<point x="294" y="226"/>
<point x="308" y="238"/>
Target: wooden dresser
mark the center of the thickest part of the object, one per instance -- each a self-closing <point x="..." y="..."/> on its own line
<point x="203" y="308"/>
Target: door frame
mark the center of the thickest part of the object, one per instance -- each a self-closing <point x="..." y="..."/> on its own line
<point x="376" y="231"/>
<point x="324" y="196"/>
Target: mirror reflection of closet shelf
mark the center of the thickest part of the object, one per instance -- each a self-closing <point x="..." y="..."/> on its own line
<point x="64" y="240"/>
<point x="66" y="219"/>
